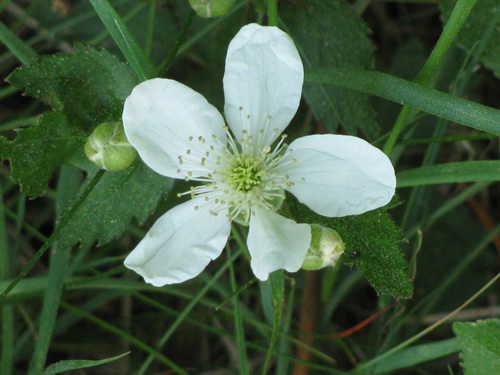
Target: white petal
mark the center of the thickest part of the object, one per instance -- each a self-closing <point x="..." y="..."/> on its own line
<point x="180" y="244"/>
<point x="263" y="77"/>
<point x="338" y="175"/>
<point x="275" y="242"/>
<point x="161" y="115"/>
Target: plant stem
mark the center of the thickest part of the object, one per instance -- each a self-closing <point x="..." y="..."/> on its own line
<point x="272" y="12"/>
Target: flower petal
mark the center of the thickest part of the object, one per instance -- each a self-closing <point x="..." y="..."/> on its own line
<point x="163" y="119"/>
<point x="338" y="175"/>
<point x="263" y="77"/>
<point x="180" y="244"/>
<point x="275" y="242"/>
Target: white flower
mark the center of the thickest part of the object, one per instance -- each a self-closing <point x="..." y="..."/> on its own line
<point x="180" y="135"/>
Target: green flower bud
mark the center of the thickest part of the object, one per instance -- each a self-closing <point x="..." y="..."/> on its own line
<point x="325" y="249"/>
<point x="211" y="8"/>
<point x="108" y="147"/>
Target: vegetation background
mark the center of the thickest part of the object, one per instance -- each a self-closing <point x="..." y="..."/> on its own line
<point x="67" y="66"/>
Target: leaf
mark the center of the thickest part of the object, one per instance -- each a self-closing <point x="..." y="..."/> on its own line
<point x="467" y="171"/>
<point x="480" y="344"/>
<point x="372" y="244"/>
<point x="89" y="85"/>
<point x="38" y="150"/>
<point x="116" y="199"/>
<point x="86" y="88"/>
<point x="484" y="12"/>
<point x="68" y="365"/>
<point x="329" y="33"/>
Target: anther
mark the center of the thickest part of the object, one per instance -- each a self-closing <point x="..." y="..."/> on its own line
<point x="190" y="138"/>
<point x="241" y="108"/>
<point x="188" y="152"/>
<point x="196" y="208"/>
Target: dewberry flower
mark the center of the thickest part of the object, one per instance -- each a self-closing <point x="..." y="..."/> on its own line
<point x="236" y="172"/>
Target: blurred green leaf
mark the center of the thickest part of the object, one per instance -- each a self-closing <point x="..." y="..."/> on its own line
<point x="69" y="365"/>
<point x="467" y="171"/>
<point x="480" y="344"/>
<point x="372" y="244"/>
<point x="330" y="33"/>
<point x="116" y="199"/>
<point x="37" y="151"/>
<point x="474" y="29"/>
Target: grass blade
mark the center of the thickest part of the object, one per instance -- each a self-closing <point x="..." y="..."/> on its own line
<point x="7" y="324"/>
<point x="124" y="39"/>
<point x="69" y="183"/>
<point x="401" y="91"/>
<point x="21" y="50"/>
<point x="467" y="171"/>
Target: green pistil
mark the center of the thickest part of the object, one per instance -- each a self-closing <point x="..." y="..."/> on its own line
<point x="245" y="174"/>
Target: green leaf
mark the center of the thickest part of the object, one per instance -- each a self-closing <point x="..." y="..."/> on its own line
<point x="480" y="344"/>
<point x="63" y="366"/>
<point x="475" y="27"/>
<point x="86" y="88"/>
<point x="89" y="85"/>
<point x="124" y="39"/>
<point x="372" y="244"/>
<point x="330" y="33"/>
<point x="432" y="101"/>
<point x="116" y="199"/>
<point x="37" y="151"/>
<point x="467" y="171"/>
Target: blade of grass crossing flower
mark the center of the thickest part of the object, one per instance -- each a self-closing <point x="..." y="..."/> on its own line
<point x="401" y="91"/>
<point x="124" y="39"/>
<point x="7" y="324"/>
<point x="277" y="283"/>
<point x="467" y="171"/>
<point x="69" y="182"/>
<point x="194" y="301"/>
<point x="65" y="218"/>
<point x="428" y="73"/>
<point x="238" y="320"/>
<point x="23" y="52"/>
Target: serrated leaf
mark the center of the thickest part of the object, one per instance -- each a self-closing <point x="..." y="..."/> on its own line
<point x="115" y="200"/>
<point x="86" y="88"/>
<point x="474" y="28"/>
<point x="329" y="33"/>
<point x="38" y="150"/>
<point x="480" y="344"/>
<point x="89" y="85"/>
<point x="75" y="364"/>
<point x="372" y="244"/>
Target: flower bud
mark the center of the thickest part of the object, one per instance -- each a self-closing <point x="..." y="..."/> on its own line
<point x="211" y="8"/>
<point x="108" y="147"/>
<point x="325" y="249"/>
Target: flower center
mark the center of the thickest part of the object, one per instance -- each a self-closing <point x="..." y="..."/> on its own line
<point x="246" y="173"/>
<point x="237" y="178"/>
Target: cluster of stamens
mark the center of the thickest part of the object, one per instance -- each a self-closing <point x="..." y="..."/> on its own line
<point x="236" y="177"/>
